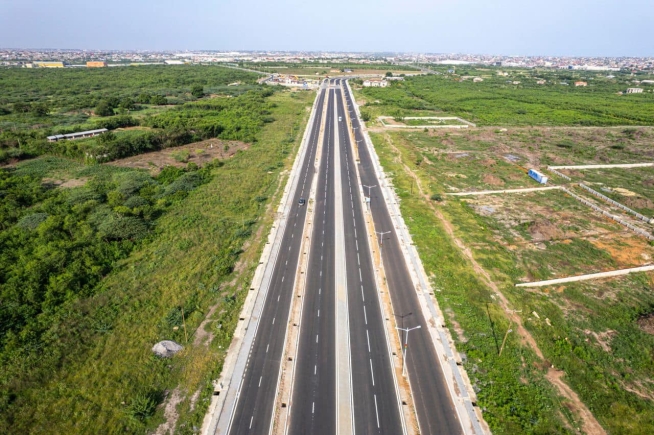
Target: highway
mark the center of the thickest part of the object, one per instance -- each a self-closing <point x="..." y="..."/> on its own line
<point x="434" y="407"/>
<point x="317" y="407"/>
<point x="254" y="406"/>
<point x="343" y="380"/>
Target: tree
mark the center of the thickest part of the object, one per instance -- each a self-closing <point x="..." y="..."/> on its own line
<point x="127" y="104"/>
<point x="104" y="109"/>
<point x="40" y="109"/>
<point x="389" y="74"/>
<point x="197" y="91"/>
<point x="159" y="100"/>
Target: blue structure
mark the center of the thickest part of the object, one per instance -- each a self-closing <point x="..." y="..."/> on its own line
<point x="542" y="179"/>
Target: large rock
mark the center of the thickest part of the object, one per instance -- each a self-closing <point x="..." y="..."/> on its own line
<point x="166" y="348"/>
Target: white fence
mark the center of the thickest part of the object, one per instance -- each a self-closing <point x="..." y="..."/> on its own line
<point x="634" y="228"/>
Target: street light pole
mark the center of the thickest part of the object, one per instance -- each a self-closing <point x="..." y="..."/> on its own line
<point x="406" y="342"/>
<point x="381" y="236"/>
<point x="369" y="197"/>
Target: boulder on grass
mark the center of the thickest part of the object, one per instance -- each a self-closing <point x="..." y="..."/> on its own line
<point x="166" y="348"/>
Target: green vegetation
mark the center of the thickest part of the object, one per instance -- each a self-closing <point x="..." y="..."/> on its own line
<point x="98" y="262"/>
<point x="497" y="101"/>
<point x="38" y="103"/>
<point x="511" y="389"/>
<point x="592" y="331"/>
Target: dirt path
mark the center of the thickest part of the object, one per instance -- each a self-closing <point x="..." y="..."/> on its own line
<point x="170" y="413"/>
<point x="590" y="425"/>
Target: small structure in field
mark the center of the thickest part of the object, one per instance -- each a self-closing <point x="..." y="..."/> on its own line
<point x="541" y="178"/>
<point x="78" y="135"/>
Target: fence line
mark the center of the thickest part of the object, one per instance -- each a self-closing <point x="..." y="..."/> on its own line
<point x="634" y="228"/>
<point x="554" y="171"/>
<point x="617" y="204"/>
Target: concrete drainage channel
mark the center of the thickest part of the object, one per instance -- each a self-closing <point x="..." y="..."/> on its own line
<point x="223" y="401"/>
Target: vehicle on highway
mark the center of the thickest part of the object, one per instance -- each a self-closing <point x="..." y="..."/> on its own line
<point x="302" y="201"/>
<point x="340" y="118"/>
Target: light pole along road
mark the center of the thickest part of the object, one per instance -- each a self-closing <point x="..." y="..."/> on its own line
<point x="434" y="406"/>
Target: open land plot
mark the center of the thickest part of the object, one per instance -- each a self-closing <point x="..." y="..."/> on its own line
<point x="587" y="341"/>
<point x="552" y="235"/>
<point x="199" y="153"/>
<point x="633" y="187"/>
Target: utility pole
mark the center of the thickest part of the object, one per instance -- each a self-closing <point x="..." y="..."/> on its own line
<point x="406" y="345"/>
<point x="184" y="322"/>
<point x="505" y="336"/>
<point x="507" y="332"/>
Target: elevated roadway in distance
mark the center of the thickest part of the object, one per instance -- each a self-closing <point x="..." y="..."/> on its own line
<point x="434" y="406"/>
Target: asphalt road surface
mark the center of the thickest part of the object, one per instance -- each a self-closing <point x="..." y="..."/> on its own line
<point x="434" y="407"/>
<point x="314" y="403"/>
<point x="256" y="398"/>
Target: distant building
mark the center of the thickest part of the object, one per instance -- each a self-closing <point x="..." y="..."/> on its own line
<point x="635" y="90"/>
<point x="477" y="80"/>
<point x="541" y="82"/>
<point x="347" y="70"/>
<point x="49" y="64"/>
<point x="375" y="83"/>
<point x="395" y="78"/>
<point x="647" y="82"/>
<point x="541" y="178"/>
<point x="515" y="82"/>
<point x="581" y="84"/>
<point x="78" y="135"/>
<point x="173" y="62"/>
<point x="96" y="64"/>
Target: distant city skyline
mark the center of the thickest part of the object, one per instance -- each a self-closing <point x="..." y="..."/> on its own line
<point x="591" y="28"/>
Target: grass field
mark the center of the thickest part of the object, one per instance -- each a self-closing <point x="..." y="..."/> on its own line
<point x="96" y="369"/>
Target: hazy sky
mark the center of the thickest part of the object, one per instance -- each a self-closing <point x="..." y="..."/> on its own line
<point x="522" y="27"/>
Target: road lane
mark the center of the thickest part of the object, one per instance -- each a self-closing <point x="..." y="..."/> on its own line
<point x="434" y="406"/>
<point x="376" y="410"/>
<point x="253" y="411"/>
<point x="314" y="394"/>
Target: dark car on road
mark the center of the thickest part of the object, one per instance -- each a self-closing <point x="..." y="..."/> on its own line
<point x="302" y="201"/>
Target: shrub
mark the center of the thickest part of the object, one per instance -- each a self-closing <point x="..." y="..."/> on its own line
<point x="123" y="227"/>
<point x="436" y="197"/>
<point x="31" y="221"/>
<point x="104" y="109"/>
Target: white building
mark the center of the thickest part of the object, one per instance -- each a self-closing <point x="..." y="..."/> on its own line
<point x="375" y="83"/>
<point x="635" y="90"/>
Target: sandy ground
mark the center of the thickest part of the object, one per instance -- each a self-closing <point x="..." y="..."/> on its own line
<point x="200" y="153"/>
